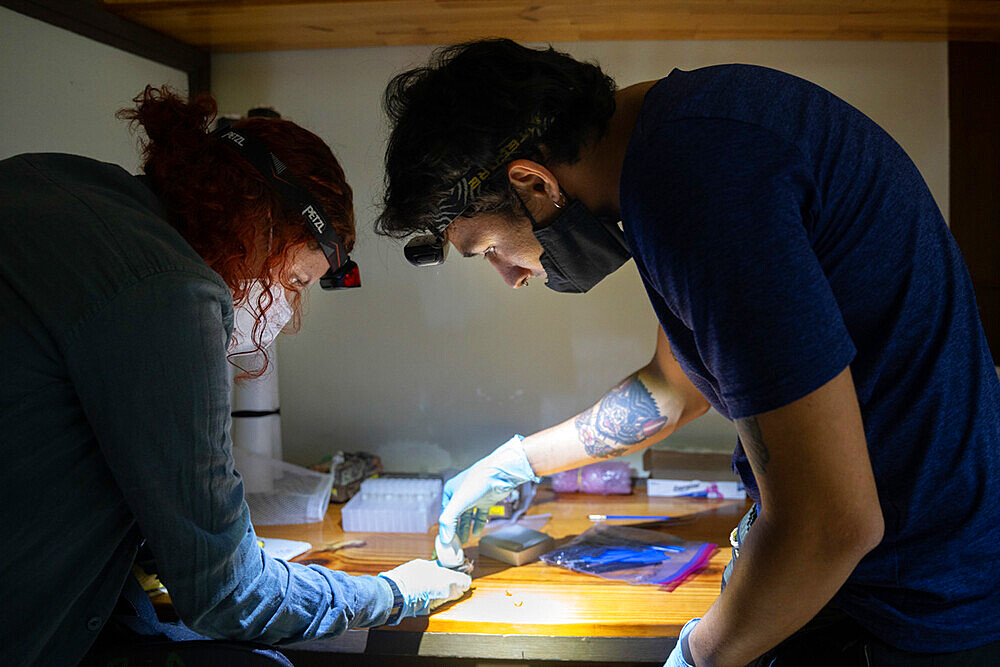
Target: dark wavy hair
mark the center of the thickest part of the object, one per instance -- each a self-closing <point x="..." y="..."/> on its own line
<point x="452" y="115"/>
<point x="223" y="207"/>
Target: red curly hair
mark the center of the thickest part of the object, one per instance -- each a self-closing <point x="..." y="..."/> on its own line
<point x="223" y="207"/>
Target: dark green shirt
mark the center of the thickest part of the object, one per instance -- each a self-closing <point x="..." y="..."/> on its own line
<point x="115" y="420"/>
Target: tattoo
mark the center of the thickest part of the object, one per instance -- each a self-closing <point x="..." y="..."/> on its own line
<point x="626" y="416"/>
<point x="753" y="442"/>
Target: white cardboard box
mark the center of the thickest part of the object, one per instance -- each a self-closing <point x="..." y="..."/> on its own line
<point x="687" y="488"/>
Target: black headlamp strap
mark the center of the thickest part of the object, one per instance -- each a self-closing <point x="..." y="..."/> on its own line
<point x="291" y="192"/>
<point x="466" y="190"/>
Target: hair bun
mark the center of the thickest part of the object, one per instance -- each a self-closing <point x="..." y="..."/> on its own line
<point x="165" y="116"/>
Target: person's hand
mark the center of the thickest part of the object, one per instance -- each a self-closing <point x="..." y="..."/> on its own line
<point x="469" y="495"/>
<point x="425" y="585"/>
<point x="449" y="554"/>
<point x="676" y="658"/>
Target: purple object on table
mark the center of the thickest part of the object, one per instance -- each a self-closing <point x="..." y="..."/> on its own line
<point x="607" y="477"/>
<point x="566" y="481"/>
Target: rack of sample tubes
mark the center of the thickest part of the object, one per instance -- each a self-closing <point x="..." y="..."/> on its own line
<point x="393" y="505"/>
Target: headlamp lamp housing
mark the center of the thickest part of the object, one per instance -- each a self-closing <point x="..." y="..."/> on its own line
<point x="426" y="250"/>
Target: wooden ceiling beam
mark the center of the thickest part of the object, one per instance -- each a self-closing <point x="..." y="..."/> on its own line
<point x="261" y="25"/>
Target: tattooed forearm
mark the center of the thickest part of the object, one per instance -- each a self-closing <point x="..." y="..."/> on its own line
<point x="753" y="442"/>
<point x="626" y="416"/>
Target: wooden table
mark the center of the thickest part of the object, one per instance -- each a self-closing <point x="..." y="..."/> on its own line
<point x="535" y="612"/>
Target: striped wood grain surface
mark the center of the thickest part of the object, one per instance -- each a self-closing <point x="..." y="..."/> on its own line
<point x="538" y="599"/>
<point x="262" y="25"/>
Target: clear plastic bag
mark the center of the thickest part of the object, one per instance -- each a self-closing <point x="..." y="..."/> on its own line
<point x="605" y="478"/>
<point x="632" y="555"/>
<point x="282" y="493"/>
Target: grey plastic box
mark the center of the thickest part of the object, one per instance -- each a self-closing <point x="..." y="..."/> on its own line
<point x="515" y="545"/>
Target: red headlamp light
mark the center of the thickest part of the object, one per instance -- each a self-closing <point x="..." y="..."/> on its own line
<point x="344" y="277"/>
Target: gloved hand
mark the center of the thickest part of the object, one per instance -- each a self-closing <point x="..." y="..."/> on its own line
<point x="425" y="585"/>
<point x="676" y="657"/>
<point x="470" y="494"/>
<point x="449" y="554"/>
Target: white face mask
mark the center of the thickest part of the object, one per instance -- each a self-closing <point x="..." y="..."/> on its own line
<point x="245" y="315"/>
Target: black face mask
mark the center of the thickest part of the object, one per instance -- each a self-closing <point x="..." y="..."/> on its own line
<point x="580" y="249"/>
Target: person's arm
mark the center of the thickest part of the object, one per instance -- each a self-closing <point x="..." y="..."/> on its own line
<point x="820" y="515"/>
<point x="642" y="409"/>
<point x="151" y="373"/>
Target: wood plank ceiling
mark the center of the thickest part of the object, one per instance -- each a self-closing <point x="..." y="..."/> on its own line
<point x="261" y="25"/>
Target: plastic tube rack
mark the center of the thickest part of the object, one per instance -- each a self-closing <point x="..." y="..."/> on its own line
<point x="387" y="505"/>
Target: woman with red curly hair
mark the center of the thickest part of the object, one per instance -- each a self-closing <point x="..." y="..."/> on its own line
<point x="118" y="297"/>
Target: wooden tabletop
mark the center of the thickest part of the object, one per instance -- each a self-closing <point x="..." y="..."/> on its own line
<point x="537" y="601"/>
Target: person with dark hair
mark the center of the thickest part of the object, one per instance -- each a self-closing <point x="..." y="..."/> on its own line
<point x="118" y="297"/>
<point x="806" y="287"/>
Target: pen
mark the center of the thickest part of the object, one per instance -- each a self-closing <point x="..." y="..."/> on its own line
<point x="647" y="517"/>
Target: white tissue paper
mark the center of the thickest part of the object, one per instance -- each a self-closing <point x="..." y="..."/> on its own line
<point x="283" y="549"/>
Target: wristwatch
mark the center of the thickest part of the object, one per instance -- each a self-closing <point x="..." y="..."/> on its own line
<point x="397" y="603"/>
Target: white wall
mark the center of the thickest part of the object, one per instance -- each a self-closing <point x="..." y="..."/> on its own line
<point x="433" y="368"/>
<point x="61" y="91"/>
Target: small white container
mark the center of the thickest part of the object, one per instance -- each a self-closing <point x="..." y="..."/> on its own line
<point x="695" y="488"/>
<point x="388" y="505"/>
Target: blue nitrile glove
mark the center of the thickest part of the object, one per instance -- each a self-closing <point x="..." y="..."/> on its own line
<point x="425" y="585"/>
<point x="469" y="495"/>
<point x="449" y="554"/>
<point x="676" y="657"/>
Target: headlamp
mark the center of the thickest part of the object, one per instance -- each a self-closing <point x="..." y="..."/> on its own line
<point x="426" y="250"/>
<point x="343" y="272"/>
<point x="344" y="277"/>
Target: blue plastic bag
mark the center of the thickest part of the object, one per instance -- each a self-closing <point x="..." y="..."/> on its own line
<point x="632" y="555"/>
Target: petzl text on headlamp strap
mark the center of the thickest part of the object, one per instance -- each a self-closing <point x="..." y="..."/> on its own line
<point x="278" y="176"/>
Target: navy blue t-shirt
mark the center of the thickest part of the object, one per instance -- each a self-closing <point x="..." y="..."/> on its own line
<point x="782" y="236"/>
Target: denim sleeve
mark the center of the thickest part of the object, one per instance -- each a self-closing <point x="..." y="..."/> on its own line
<point x="151" y="373"/>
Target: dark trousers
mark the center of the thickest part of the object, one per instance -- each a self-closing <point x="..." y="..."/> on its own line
<point x="834" y="639"/>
